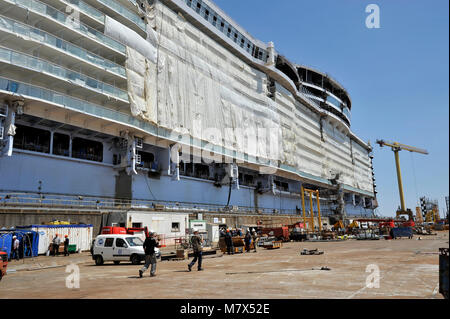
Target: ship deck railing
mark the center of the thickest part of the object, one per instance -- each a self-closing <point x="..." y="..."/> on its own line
<point x="29" y="200"/>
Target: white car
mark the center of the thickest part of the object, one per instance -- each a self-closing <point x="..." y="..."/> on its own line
<point x="119" y="248"/>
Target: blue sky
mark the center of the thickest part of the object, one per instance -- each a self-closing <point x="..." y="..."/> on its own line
<point x="397" y="76"/>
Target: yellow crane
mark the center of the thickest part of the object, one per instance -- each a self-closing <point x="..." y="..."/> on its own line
<point x="397" y="147"/>
<point x="311" y="192"/>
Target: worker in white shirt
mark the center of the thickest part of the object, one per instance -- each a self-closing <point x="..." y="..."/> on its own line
<point x="15" y="252"/>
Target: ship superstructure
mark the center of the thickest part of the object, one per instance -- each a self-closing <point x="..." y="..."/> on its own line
<point x="171" y="103"/>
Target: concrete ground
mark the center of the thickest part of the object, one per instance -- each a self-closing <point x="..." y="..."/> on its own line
<point x="407" y="269"/>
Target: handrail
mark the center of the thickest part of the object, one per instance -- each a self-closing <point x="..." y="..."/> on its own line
<point x="45" y="38"/>
<point x="33" y="199"/>
<point x="39" y="65"/>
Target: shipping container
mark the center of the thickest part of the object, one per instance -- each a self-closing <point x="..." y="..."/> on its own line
<point x="402" y="232"/>
<point x="79" y="235"/>
<point x="280" y="233"/>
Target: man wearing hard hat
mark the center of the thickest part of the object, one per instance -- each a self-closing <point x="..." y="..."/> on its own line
<point x="56" y="242"/>
<point x="150" y="244"/>
<point x="66" y="245"/>
<point x="15" y="252"/>
<point x="196" y="242"/>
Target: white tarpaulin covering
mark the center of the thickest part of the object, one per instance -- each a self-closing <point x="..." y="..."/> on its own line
<point x="184" y="81"/>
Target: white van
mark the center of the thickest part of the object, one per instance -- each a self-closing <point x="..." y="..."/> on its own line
<point x="119" y="248"/>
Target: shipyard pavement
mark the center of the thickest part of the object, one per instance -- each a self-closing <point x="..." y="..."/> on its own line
<point x="407" y="269"/>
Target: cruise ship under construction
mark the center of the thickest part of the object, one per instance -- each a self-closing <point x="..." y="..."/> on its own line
<point x="163" y="107"/>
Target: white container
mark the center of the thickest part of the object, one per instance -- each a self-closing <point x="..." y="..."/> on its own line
<point x="213" y="233"/>
<point x="80" y="235"/>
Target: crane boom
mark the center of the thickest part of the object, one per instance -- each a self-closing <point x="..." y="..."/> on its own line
<point x="397" y="147"/>
<point x="400" y="147"/>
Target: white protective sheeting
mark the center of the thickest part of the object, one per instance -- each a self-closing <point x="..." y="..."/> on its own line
<point x="141" y="85"/>
<point x="193" y="84"/>
<point x="204" y="89"/>
<point x="125" y="35"/>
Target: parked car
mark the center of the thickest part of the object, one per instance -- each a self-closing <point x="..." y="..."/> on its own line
<point x="117" y="248"/>
<point x="3" y="263"/>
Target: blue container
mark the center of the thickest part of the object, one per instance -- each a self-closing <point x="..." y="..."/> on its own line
<point x="6" y="243"/>
<point x="29" y="242"/>
<point x="402" y="232"/>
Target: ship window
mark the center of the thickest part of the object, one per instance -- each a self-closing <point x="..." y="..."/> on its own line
<point x="175" y="227"/>
<point x="32" y="139"/>
<point x="246" y="179"/>
<point x="87" y="149"/>
<point x="61" y="144"/>
<point x="201" y="171"/>
<point x="282" y="186"/>
<point x="189" y="169"/>
<point x="148" y="161"/>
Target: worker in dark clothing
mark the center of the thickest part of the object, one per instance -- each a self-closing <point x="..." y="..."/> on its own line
<point x="150" y="244"/>
<point x="229" y="242"/>
<point x="248" y="240"/>
<point x="196" y="242"/>
<point x="66" y="246"/>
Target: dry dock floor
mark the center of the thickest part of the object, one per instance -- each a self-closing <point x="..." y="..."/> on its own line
<point x="408" y="269"/>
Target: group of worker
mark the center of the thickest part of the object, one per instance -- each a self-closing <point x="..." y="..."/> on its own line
<point x="152" y="241"/>
<point x="55" y="245"/>
<point x="250" y="236"/>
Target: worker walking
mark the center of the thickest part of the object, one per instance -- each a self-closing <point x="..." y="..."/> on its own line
<point x="66" y="246"/>
<point x="15" y="252"/>
<point x="229" y="242"/>
<point x="247" y="240"/>
<point x="255" y="239"/>
<point x="56" y="242"/>
<point x="150" y="244"/>
<point x="196" y="242"/>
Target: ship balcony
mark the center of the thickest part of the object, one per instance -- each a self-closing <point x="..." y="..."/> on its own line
<point x="42" y="98"/>
<point x="49" y="19"/>
<point x="25" y="38"/>
<point x="88" y="14"/>
<point x="119" y="12"/>
<point x="328" y="101"/>
<point x="23" y="67"/>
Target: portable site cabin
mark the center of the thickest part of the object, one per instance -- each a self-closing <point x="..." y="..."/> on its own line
<point x="79" y="235"/>
<point x="169" y="225"/>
